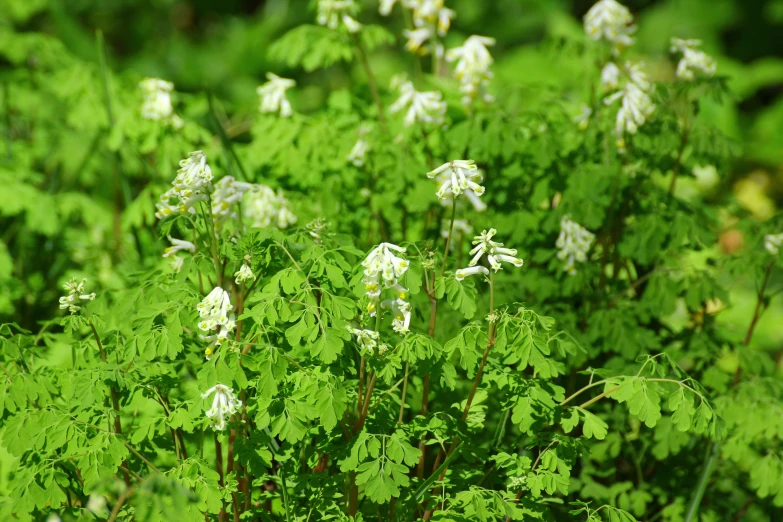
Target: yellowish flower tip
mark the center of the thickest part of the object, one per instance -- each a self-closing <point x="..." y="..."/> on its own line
<point x="402" y="295"/>
<point x="371" y="286"/>
<point x="208" y="351"/>
<point x="371" y="307"/>
<point x="400" y="317"/>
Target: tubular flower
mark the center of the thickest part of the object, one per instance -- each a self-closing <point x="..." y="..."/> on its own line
<point x="636" y="105"/>
<point x="367" y="339"/>
<point x="244" y="274"/>
<point x="385" y="7"/>
<point x="228" y="191"/>
<point x="574" y="243"/>
<point x="272" y="95"/>
<point x="457" y="177"/>
<point x="224" y="405"/>
<point x="178" y="245"/>
<point x="772" y="243"/>
<point x="75" y="295"/>
<point x="157" y="101"/>
<point x="333" y="12"/>
<point x="266" y="208"/>
<point x="462" y="273"/>
<point x="382" y="264"/>
<point x="401" y="310"/>
<point x="472" y="69"/>
<point x="176" y="264"/>
<point x="359" y="151"/>
<point x="692" y="58"/>
<point x="193" y="181"/>
<point x="426" y="107"/>
<point x="611" y="21"/>
<point x="583" y="118"/>
<point x="610" y="77"/>
<point x="217" y="318"/>
<point x="416" y="39"/>
<point x="461" y="229"/>
<point x="496" y="253"/>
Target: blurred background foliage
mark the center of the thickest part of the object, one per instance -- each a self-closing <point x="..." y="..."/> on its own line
<point x="221" y="47"/>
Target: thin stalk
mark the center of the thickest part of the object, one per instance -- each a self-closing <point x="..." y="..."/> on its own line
<point x="224" y="137"/>
<point x="474" y="388"/>
<point x="448" y="238"/>
<point x="285" y="496"/>
<point x="698" y="494"/>
<point x="371" y="81"/>
<point x="404" y="392"/>
<point x="683" y="143"/>
<point x="115" y="397"/>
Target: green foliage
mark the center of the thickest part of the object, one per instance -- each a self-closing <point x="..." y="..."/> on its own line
<point x="347" y="367"/>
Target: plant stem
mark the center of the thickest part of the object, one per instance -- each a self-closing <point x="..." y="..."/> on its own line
<point x="371" y="81"/>
<point x="698" y="494"/>
<point x="404" y="392"/>
<point x="474" y="388"/>
<point x="448" y="238"/>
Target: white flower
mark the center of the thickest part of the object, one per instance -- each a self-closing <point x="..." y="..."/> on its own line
<point x="244" y="274"/>
<point x="692" y="58"/>
<point x="416" y="39"/>
<point x="610" y="20"/>
<point x="217" y="318"/>
<point x="358" y="152"/>
<point x="462" y="273"/>
<point x="636" y="105"/>
<point x="263" y="208"/>
<point x="772" y="243"/>
<point x="460" y="229"/>
<point x="178" y="245"/>
<point x="53" y="517"/>
<point x="401" y="310"/>
<point x="382" y="265"/>
<point x="191" y="185"/>
<point x="228" y="192"/>
<point x="386" y="7"/>
<point x="610" y="77"/>
<point x="583" y="118"/>
<point x="332" y="12"/>
<point x="367" y="339"/>
<point x="97" y="505"/>
<point x="426" y="107"/>
<point x="472" y="69"/>
<point x="225" y="404"/>
<point x="457" y="177"/>
<point x="157" y="99"/>
<point x="272" y="95"/>
<point x="176" y="264"/>
<point x="574" y="243"/>
<point x="496" y="253"/>
<point x="75" y="295"/>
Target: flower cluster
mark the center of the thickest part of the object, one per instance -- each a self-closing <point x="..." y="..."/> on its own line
<point x="611" y="21"/>
<point x="430" y="18"/>
<point x="244" y="274"/>
<point x="495" y="252"/>
<point x="636" y="104"/>
<point x="692" y="59"/>
<point x="458" y="177"/>
<point x="367" y="339"/>
<point x="472" y="69"/>
<point x="217" y="318"/>
<point x="359" y="151"/>
<point x="228" y="192"/>
<point x="157" y="101"/>
<point x="383" y="269"/>
<point x="75" y="295"/>
<point x="772" y="243"/>
<point x="178" y="245"/>
<point x="315" y="228"/>
<point x="573" y="243"/>
<point x="426" y="107"/>
<point x="264" y="207"/>
<point x="224" y="405"/>
<point x="333" y="12"/>
<point x="272" y="95"/>
<point x="193" y="182"/>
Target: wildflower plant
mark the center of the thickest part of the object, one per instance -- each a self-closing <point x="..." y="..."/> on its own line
<point x="292" y="323"/>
